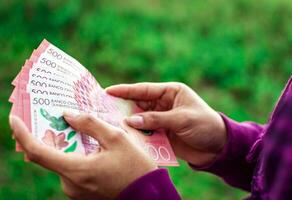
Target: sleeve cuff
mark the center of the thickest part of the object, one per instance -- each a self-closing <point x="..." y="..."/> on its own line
<point x="155" y="185"/>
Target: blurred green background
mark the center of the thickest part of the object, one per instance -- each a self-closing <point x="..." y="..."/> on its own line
<point x="237" y="54"/>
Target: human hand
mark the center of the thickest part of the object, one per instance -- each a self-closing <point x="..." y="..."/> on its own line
<point x="196" y="132"/>
<point x="100" y="175"/>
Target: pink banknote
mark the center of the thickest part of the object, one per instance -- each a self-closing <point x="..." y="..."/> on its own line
<point x="51" y="82"/>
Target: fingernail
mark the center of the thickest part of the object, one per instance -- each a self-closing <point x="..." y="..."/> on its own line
<point x="69" y="115"/>
<point x="12" y="121"/>
<point x="106" y="89"/>
<point x="135" y="120"/>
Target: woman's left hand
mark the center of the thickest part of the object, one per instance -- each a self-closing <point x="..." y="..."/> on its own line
<point x="100" y="175"/>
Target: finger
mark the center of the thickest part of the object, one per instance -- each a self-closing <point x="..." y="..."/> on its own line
<point x="45" y="156"/>
<point x="153" y="120"/>
<point x="141" y="91"/>
<point x="102" y="131"/>
<point x="144" y="105"/>
<point x="147" y="105"/>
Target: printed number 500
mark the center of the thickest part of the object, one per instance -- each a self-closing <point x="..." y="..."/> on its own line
<point x="160" y="152"/>
<point x="41" y="101"/>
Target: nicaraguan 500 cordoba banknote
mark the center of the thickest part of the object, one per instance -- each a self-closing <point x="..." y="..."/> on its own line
<point x="51" y="82"/>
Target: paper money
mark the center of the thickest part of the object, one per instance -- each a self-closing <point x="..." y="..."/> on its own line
<point x="51" y="82"/>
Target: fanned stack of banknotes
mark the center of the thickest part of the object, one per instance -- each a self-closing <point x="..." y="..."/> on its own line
<point x="51" y="82"/>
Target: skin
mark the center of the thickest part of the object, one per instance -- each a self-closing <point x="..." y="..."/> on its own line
<point x="100" y="175"/>
<point x="196" y="132"/>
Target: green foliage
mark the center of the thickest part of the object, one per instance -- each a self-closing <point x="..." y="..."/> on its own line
<point x="235" y="54"/>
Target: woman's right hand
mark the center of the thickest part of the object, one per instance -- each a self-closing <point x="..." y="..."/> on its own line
<point x="196" y="132"/>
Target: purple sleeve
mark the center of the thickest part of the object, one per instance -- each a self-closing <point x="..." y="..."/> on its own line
<point x="277" y="153"/>
<point x="155" y="185"/>
<point x="232" y="164"/>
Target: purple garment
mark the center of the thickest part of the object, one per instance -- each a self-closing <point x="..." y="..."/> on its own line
<point x="155" y="185"/>
<point x="256" y="158"/>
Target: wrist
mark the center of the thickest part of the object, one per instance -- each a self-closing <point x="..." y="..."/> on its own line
<point x="222" y="133"/>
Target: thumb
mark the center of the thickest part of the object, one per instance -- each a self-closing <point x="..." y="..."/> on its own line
<point x="152" y="120"/>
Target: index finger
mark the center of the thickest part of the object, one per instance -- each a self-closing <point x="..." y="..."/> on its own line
<point x="47" y="157"/>
<point x="139" y="91"/>
<point x="88" y="124"/>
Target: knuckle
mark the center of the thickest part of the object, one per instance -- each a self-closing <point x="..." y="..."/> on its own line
<point x="87" y="122"/>
<point x="151" y="119"/>
<point x="182" y="86"/>
<point x="116" y="136"/>
<point x="87" y="119"/>
<point x="176" y="86"/>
